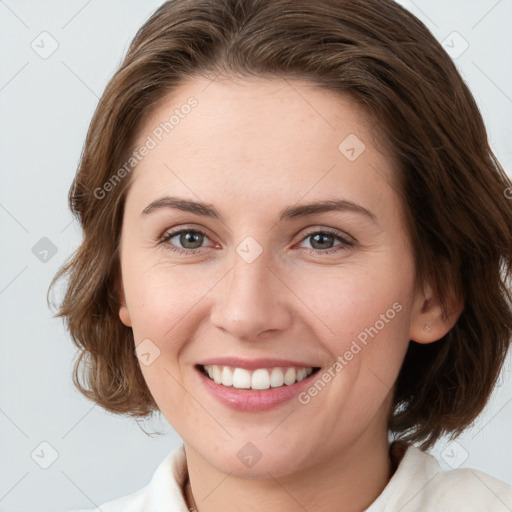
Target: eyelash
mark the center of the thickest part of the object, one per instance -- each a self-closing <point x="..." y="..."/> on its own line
<point x="345" y="242"/>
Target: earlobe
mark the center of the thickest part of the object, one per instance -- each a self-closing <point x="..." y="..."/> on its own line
<point x="428" y="323"/>
<point x="124" y="314"/>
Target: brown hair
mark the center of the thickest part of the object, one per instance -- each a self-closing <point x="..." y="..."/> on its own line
<point x="452" y="186"/>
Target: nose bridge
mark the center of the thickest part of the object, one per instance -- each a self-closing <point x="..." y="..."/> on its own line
<point x="251" y="300"/>
<point x="252" y="278"/>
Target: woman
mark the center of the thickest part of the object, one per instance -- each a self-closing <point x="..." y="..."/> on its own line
<point x="296" y="247"/>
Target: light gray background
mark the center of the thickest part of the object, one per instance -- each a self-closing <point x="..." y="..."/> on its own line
<point x="45" y="108"/>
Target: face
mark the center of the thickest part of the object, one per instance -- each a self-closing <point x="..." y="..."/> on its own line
<point x="227" y="267"/>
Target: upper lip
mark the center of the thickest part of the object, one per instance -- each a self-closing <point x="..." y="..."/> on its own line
<point x="254" y="364"/>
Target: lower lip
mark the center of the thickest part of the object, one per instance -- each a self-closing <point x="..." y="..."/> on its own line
<point x="253" y="401"/>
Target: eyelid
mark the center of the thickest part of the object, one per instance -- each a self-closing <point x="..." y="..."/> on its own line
<point x="172" y="232"/>
<point x="309" y="231"/>
<point x="185" y="227"/>
<point x="346" y="240"/>
<point x="343" y="235"/>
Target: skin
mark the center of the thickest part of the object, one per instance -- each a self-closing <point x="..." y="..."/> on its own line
<point x="250" y="149"/>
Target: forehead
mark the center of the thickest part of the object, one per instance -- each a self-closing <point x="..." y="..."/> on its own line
<point x="257" y="134"/>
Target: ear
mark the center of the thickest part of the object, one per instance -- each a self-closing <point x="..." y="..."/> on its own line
<point x="428" y="324"/>
<point x="124" y="314"/>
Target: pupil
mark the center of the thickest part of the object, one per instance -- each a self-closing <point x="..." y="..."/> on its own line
<point x="189" y="238"/>
<point x="196" y="239"/>
<point x="322" y="238"/>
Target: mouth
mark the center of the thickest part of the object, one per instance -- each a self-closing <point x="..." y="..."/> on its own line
<point x="258" y="379"/>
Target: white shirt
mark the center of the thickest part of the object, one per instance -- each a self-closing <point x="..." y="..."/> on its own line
<point x="419" y="484"/>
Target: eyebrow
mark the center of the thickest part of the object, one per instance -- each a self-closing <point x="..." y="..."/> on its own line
<point x="291" y="212"/>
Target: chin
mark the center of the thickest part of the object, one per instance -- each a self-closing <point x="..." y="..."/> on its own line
<point x="258" y="459"/>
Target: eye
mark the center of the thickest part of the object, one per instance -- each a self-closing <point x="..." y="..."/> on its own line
<point x="322" y="241"/>
<point x="190" y="240"/>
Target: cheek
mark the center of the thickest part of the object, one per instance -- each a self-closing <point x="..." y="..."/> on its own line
<point x="347" y="300"/>
<point x="165" y="309"/>
<point x="163" y="298"/>
<point x="361" y="314"/>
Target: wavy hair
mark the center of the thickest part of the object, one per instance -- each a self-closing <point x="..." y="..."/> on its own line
<point x="453" y="189"/>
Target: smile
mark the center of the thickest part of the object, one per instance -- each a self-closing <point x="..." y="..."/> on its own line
<point x="258" y="379"/>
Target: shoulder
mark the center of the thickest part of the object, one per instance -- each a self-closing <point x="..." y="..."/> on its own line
<point x="420" y="484"/>
<point x="162" y="492"/>
<point x="135" y="502"/>
<point x="473" y="490"/>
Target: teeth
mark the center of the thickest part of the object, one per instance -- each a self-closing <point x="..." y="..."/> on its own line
<point x="276" y="378"/>
<point x="227" y="377"/>
<point x="217" y="376"/>
<point x="290" y="376"/>
<point x="241" y="378"/>
<point x="260" y="379"/>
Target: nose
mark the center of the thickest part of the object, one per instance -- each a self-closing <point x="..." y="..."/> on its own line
<point x="251" y="301"/>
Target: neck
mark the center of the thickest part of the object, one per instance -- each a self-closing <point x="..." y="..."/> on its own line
<point x="349" y="481"/>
